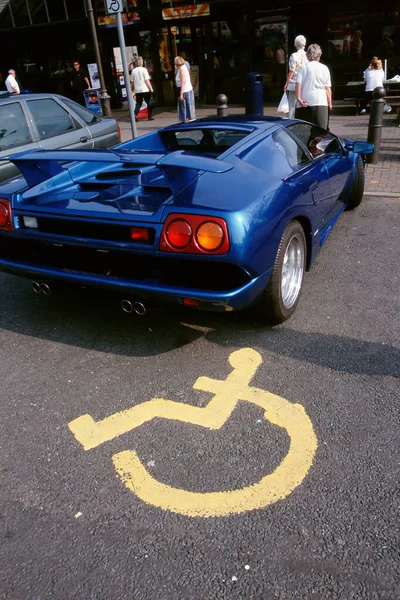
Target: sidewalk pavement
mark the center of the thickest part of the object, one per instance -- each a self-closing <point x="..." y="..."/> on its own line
<point x="382" y="179"/>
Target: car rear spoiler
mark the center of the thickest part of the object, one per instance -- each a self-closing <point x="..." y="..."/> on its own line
<point x="179" y="168"/>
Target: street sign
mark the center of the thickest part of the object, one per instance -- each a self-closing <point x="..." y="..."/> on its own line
<point x="114" y="6"/>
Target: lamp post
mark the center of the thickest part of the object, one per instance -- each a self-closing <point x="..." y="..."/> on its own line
<point x="104" y="97"/>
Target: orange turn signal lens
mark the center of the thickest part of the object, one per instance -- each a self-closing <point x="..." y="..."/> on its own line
<point x="210" y="236"/>
<point x="179" y="233"/>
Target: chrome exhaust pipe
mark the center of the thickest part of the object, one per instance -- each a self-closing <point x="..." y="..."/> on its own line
<point x="45" y="288"/>
<point x="127" y="306"/>
<point x="139" y="308"/>
<point x="36" y="287"/>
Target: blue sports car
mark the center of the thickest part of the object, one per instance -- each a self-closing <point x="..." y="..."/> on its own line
<point x="218" y="214"/>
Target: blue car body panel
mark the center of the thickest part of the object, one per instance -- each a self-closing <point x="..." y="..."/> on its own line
<point x="253" y="173"/>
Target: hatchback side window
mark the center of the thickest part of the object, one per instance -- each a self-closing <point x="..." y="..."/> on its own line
<point x="14" y="130"/>
<point x="291" y="150"/>
<point x="81" y="111"/>
<point x="317" y="140"/>
<point x="50" y="118"/>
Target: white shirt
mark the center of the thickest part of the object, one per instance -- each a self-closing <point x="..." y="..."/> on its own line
<point x="314" y="78"/>
<point x="296" y="61"/>
<point x="10" y="82"/>
<point x="139" y="76"/>
<point x="373" y="78"/>
<point x="188" y="85"/>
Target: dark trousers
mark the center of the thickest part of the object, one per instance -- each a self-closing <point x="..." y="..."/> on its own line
<point x="366" y="99"/>
<point x="78" y="96"/>
<point x="319" y="115"/>
<point x="140" y="96"/>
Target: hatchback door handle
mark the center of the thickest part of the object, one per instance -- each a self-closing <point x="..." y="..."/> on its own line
<point x="84" y="139"/>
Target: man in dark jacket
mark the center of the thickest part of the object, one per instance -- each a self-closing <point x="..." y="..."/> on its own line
<point x="79" y="83"/>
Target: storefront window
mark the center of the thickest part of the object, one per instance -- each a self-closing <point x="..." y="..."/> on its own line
<point x="355" y="36"/>
<point x="271" y="46"/>
<point x="5" y="18"/>
<point x="38" y="11"/>
<point x="353" y="39"/>
<point x="230" y="56"/>
<point x="271" y="53"/>
<point x="56" y="10"/>
<point x="145" y="51"/>
<point x="20" y="13"/>
<point x="76" y="9"/>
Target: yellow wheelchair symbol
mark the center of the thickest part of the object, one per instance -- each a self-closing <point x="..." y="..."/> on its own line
<point x="227" y="393"/>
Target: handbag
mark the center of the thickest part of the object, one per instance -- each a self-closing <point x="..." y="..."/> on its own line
<point x="291" y="86"/>
<point x="283" y="106"/>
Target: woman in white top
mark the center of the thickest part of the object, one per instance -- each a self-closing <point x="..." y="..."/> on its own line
<point x="314" y="90"/>
<point x="373" y="78"/>
<point x="296" y="61"/>
<point x="186" y="110"/>
<point x="141" y="85"/>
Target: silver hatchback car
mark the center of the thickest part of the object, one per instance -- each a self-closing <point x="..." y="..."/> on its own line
<point x="49" y="121"/>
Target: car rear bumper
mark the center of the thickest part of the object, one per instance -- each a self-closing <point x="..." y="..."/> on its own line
<point x="156" y="293"/>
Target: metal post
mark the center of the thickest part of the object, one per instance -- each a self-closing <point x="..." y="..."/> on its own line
<point x="222" y="105"/>
<point x="375" y="122"/>
<point x="104" y="97"/>
<point x="121" y="39"/>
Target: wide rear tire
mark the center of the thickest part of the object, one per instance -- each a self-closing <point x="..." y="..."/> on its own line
<point x="281" y="295"/>
<point x="357" y="191"/>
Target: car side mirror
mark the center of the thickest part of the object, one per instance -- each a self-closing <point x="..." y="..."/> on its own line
<point x="363" y="147"/>
<point x="359" y="147"/>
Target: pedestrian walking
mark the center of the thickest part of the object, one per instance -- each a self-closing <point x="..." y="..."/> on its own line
<point x="314" y="89"/>
<point x="11" y="83"/>
<point x="141" y="85"/>
<point x="186" y="108"/>
<point x="79" y="82"/>
<point x="187" y="64"/>
<point x="296" y="61"/>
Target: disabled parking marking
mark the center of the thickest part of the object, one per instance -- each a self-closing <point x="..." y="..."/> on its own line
<point x="227" y="393"/>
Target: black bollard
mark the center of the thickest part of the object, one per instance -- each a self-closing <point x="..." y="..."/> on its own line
<point x="222" y="105"/>
<point x="375" y="122"/>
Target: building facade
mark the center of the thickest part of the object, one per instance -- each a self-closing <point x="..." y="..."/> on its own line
<point x="223" y="40"/>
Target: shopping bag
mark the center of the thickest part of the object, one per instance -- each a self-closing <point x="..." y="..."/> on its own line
<point x="283" y="104"/>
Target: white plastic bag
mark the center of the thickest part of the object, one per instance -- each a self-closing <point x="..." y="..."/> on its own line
<point x="283" y="104"/>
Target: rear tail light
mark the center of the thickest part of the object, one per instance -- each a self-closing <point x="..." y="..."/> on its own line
<point x="5" y="215"/>
<point x="190" y="302"/>
<point x="119" y="132"/>
<point x="140" y="234"/>
<point x="194" y="234"/>
<point x="179" y="233"/>
<point x="210" y="236"/>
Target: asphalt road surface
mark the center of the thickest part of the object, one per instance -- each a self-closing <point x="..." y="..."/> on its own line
<point x="284" y="486"/>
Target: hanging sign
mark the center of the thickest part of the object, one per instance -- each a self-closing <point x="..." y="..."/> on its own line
<point x="185" y="12"/>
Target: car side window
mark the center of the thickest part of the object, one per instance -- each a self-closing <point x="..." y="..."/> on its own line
<point x="86" y="115"/>
<point x="318" y="141"/>
<point x="14" y="130"/>
<point x="50" y="118"/>
<point x="291" y="150"/>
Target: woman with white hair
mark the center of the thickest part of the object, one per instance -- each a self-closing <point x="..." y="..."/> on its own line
<point x="314" y="89"/>
<point x="296" y="61"/>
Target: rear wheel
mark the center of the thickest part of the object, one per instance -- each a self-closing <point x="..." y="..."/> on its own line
<point x="357" y="191"/>
<point x="281" y="295"/>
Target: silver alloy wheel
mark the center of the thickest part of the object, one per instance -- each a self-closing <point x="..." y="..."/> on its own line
<point x="292" y="271"/>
